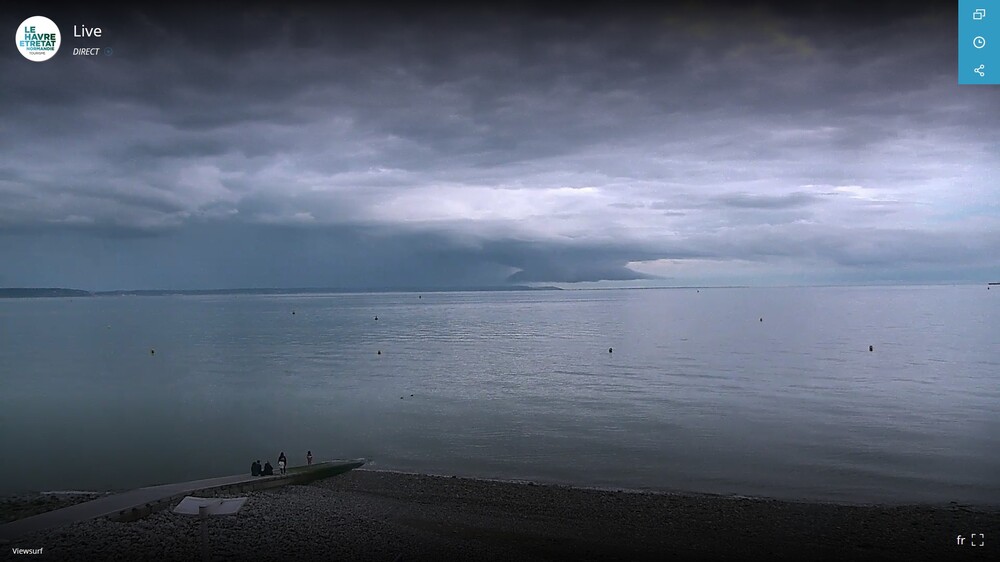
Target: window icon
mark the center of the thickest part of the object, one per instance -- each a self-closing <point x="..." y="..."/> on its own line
<point x="979" y="42"/>
<point x="979" y="14"/>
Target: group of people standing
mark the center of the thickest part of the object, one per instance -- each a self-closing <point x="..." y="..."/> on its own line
<point x="267" y="470"/>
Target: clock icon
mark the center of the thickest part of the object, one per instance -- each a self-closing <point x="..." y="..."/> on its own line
<point x="979" y="42"/>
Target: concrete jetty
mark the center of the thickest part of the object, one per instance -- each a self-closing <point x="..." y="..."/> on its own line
<point x="141" y="502"/>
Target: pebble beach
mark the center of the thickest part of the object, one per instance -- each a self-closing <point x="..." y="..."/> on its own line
<point x="391" y="516"/>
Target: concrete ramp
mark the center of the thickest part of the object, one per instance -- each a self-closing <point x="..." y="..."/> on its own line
<point x="141" y="502"/>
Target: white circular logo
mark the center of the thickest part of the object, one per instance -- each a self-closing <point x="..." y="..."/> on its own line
<point x="37" y="38"/>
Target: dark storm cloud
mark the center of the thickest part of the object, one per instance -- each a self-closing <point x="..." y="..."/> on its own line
<point x="566" y="262"/>
<point x="750" y="201"/>
<point x="478" y="145"/>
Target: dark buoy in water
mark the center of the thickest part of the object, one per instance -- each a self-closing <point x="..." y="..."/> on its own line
<point x="380" y="352"/>
<point x="611" y="350"/>
<point x="420" y="296"/>
<point x="293" y="313"/>
<point x="411" y="396"/>
<point x="376" y="318"/>
<point x="152" y="352"/>
<point x="761" y="318"/>
<point x="871" y="348"/>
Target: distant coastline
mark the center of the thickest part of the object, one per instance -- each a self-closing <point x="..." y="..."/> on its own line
<point x="50" y="292"/>
<point x="32" y="292"/>
<point x="37" y="292"/>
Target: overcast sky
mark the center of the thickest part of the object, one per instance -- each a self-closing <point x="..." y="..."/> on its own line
<point x="305" y="148"/>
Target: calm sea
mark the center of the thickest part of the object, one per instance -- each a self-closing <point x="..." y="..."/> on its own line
<point x="699" y="394"/>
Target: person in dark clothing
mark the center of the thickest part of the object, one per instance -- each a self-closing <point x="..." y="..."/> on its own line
<point x="255" y="468"/>
<point x="282" y="461"/>
<point x="268" y="469"/>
